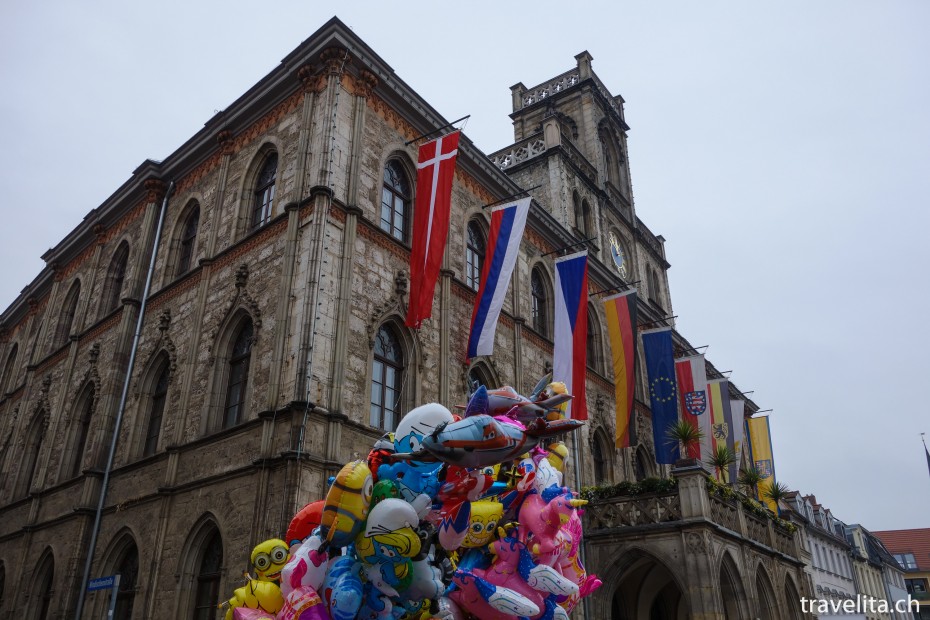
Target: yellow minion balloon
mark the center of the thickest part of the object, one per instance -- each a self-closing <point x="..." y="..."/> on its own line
<point x="262" y="595"/>
<point x="346" y="506"/>
<point x="268" y="558"/>
<point x="558" y="454"/>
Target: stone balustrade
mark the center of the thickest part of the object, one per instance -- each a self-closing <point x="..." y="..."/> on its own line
<point x="690" y="502"/>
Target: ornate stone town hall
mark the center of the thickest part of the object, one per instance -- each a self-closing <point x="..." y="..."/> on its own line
<point x="273" y="347"/>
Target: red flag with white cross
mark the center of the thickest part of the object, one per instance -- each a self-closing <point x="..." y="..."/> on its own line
<point x="435" y="170"/>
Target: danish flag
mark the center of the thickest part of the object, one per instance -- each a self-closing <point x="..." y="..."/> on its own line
<point x="435" y="170"/>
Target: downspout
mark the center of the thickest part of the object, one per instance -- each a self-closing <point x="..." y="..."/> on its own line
<point x="122" y="407"/>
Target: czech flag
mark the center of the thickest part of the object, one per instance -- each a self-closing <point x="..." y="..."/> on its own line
<point x="569" y="363"/>
<point x="507" y="223"/>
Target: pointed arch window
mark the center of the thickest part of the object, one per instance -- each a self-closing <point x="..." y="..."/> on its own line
<point x="263" y="196"/>
<point x="387" y="371"/>
<point x="156" y="411"/>
<point x="34" y="441"/>
<point x="9" y="370"/>
<point x="480" y="375"/>
<point x="85" y="410"/>
<point x="395" y="201"/>
<point x="42" y="588"/>
<point x="116" y="274"/>
<point x="238" y="377"/>
<point x="540" y="302"/>
<point x="209" y="569"/>
<point x="128" y="570"/>
<point x="66" y="318"/>
<point x="188" y="240"/>
<point x="474" y="255"/>
<point x="600" y="463"/>
<point x="593" y="343"/>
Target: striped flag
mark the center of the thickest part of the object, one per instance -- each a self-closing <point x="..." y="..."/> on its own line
<point x="621" y="327"/>
<point x="507" y="223"/>
<point x="721" y="418"/>
<point x="692" y="396"/>
<point x="663" y="391"/>
<point x="760" y="451"/>
<point x="569" y="363"/>
<point x="435" y="171"/>
<point x="738" y="410"/>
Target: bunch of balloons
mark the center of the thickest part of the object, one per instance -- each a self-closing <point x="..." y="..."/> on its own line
<point x="450" y="517"/>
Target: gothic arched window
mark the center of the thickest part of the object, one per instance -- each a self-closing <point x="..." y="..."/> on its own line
<point x="395" y="201"/>
<point x="9" y="370"/>
<point x="540" y="302"/>
<point x="474" y="254"/>
<point x="42" y="588"/>
<point x="84" y="412"/>
<point x="387" y="371"/>
<point x="593" y="344"/>
<point x="156" y="410"/>
<point x="238" y="375"/>
<point x="128" y="570"/>
<point x="116" y="275"/>
<point x="66" y="318"/>
<point x="188" y="240"/>
<point x="207" y="588"/>
<point x="263" y="194"/>
<point x="34" y="440"/>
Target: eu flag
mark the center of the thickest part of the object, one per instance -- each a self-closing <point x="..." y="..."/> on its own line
<point x="663" y="391"/>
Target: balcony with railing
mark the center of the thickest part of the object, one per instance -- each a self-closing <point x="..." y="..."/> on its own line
<point x="691" y="498"/>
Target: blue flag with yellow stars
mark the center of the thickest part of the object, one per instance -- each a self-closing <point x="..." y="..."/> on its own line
<point x="663" y="391"/>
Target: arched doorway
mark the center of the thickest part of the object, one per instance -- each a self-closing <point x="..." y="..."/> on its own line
<point x="792" y="600"/>
<point x="765" y="596"/>
<point x="647" y="590"/>
<point x="732" y="594"/>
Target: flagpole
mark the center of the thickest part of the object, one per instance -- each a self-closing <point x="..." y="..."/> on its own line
<point x="578" y="485"/>
<point x="926" y="451"/>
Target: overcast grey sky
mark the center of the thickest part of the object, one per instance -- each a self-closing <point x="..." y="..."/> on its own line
<point x="781" y="148"/>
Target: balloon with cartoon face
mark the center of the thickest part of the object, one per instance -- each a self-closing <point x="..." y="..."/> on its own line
<point x="416" y="477"/>
<point x="268" y="558"/>
<point x="485" y="515"/>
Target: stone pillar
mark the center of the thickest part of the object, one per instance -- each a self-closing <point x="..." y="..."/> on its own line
<point x="692" y="490"/>
<point x="444" y="327"/>
<point x="363" y="89"/>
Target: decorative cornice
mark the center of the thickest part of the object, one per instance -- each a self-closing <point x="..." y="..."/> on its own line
<point x="224" y="139"/>
<point x="312" y="81"/>
<point x="335" y="59"/>
<point x="154" y="190"/>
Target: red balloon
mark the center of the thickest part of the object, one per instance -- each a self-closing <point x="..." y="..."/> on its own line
<point x="304" y="522"/>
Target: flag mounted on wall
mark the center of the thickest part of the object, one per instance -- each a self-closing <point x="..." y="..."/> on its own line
<point x="570" y="346"/>
<point x="692" y="396"/>
<point x="760" y="451"/>
<point x="435" y="171"/>
<point x="663" y="391"/>
<point x="721" y="419"/>
<point x="738" y="411"/>
<point x="507" y="224"/>
<point x="620" y="310"/>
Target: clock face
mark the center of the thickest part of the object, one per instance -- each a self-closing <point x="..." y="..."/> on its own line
<point x="619" y="256"/>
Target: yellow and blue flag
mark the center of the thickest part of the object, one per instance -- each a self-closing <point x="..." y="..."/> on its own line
<point x="760" y="451"/>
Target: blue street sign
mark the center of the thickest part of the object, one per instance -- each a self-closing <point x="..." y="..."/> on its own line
<point x="101" y="583"/>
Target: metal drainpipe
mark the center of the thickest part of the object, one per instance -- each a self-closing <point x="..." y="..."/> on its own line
<point x="122" y="407"/>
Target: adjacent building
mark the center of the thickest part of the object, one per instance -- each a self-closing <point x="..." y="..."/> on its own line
<point x="911" y="549"/>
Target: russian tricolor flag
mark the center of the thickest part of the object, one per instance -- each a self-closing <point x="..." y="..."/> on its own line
<point x="507" y="223"/>
<point x="569" y="363"/>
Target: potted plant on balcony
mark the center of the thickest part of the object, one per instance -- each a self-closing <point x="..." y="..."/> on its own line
<point x="750" y="477"/>
<point x="776" y="492"/>
<point x="721" y="459"/>
<point x="686" y="436"/>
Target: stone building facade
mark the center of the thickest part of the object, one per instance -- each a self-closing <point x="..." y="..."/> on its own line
<point x="272" y="349"/>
